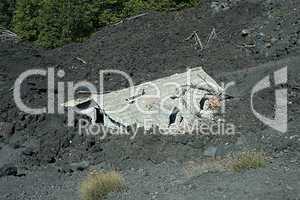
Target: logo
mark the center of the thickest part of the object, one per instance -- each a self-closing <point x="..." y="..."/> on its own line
<point x="279" y="122"/>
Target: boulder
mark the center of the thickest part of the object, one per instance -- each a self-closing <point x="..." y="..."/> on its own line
<point x="215" y="151"/>
<point x="8" y="170"/>
<point x="6" y="129"/>
<point x="245" y="32"/>
<point x="210" y="151"/>
<point x="29" y="151"/>
<point x="217" y="6"/>
<point x="80" y="166"/>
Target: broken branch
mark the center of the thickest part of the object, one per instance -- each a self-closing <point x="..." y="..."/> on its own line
<point x="130" y="18"/>
<point x="81" y="60"/>
<point x="136" y="16"/>
<point x="197" y="39"/>
<point x="246" y="45"/>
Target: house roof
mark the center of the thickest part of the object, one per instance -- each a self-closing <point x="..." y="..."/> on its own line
<point x="151" y="103"/>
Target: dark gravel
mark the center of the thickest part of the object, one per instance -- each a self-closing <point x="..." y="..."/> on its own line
<point x="43" y="149"/>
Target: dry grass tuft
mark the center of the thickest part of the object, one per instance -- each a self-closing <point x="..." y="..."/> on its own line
<point x="248" y="160"/>
<point x="99" y="184"/>
<point x="235" y="162"/>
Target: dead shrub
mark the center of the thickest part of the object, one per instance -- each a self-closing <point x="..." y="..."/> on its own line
<point x="236" y="162"/>
<point x="248" y="160"/>
<point x="99" y="184"/>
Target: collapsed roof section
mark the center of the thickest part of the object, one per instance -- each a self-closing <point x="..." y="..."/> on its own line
<point x="155" y="103"/>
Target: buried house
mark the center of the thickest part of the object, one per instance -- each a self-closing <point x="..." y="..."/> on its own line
<point x="167" y="102"/>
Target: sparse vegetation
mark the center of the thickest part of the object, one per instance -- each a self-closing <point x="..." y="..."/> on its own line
<point x="52" y="23"/>
<point x="99" y="184"/>
<point x="237" y="162"/>
<point x="248" y="160"/>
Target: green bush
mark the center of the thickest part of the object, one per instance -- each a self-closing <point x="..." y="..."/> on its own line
<point x="52" y="23"/>
<point x="61" y="22"/>
<point x="165" y="5"/>
<point x="7" y="8"/>
<point x="25" y="21"/>
<point x="134" y="7"/>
